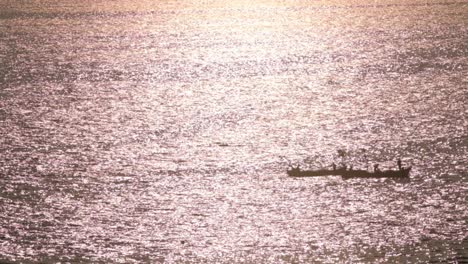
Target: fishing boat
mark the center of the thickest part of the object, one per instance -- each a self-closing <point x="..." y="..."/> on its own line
<point x="346" y="174"/>
<point x="401" y="173"/>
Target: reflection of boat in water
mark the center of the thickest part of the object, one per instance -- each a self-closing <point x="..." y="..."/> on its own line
<point x="346" y="174"/>
<point x="402" y="173"/>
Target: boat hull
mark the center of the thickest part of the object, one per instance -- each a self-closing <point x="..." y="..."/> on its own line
<point x="403" y="173"/>
<point x="310" y="173"/>
<point x="346" y="174"/>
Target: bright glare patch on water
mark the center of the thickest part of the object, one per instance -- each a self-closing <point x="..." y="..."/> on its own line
<point x="161" y="132"/>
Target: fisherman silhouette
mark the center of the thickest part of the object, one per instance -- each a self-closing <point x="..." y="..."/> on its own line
<point x="399" y="164"/>
<point x="376" y="168"/>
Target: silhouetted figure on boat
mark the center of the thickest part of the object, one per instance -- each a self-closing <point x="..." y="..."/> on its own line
<point x="399" y="164"/>
<point x="376" y="168"/>
<point x="334" y="166"/>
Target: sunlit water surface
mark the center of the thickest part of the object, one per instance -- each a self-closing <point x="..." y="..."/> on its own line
<point x="160" y="131"/>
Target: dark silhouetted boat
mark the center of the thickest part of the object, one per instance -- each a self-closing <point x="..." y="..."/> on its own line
<point x="346" y="174"/>
<point x="402" y="173"/>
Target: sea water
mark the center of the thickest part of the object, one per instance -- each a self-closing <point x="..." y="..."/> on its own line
<point x="161" y="131"/>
